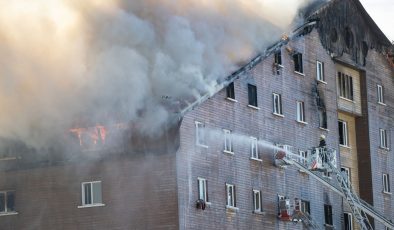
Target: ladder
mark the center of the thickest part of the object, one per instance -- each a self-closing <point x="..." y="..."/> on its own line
<point x="307" y="220"/>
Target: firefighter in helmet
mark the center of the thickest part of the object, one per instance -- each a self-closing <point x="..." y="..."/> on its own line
<point x="322" y="143"/>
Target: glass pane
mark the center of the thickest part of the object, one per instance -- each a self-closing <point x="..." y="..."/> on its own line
<point x="10" y="201"/>
<point x="2" y="202"/>
<point x="97" y="199"/>
<point x="87" y="193"/>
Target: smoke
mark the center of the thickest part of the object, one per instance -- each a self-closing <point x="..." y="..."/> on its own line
<point x="68" y="62"/>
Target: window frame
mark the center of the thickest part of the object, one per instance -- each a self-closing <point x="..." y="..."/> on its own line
<point x="345" y="86"/>
<point x="230" y="92"/>
<point x="345" y="134"/>
<point x="323" y="119"/>
<point x="230" y="198"/>
<point x="301" y="112"/>
<point x="278" y="58"/>
<point x="347" y="170"/>
<point x="328" y="219"/>
<point x="386" y="183"/>
<point x="93" y="203"/>
<point x="254" y="149"/>
<point x="257" y="204"/>
<point x="277" y="108"/>
<point x="228" y="142"/>
<point x="202" y="190"/>
<point x="7" y="210"/>
<point x="350" y="221"/>
<point x="305" y="206"/>
<point x="383" y="139"/>
<point x="298" y="63"/>
<point x="320" y="71"/>
<point x="380" y="94"/>
<point x="304" y="155"/>
<point x="252" y="96"/>
<point x="200" y="134"/>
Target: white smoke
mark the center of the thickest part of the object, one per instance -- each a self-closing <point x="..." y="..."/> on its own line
<point x="63" y="61"/>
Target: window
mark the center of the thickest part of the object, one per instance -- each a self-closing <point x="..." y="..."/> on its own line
<point x="380" y="94"/>
<point x="277" y="105"/>
<point x="348" y="219"/>
<point x="200" y="134"/>
<point x="7" y="202"/>
<point x="303" y="155"/>
<point x="257" y="200"/>
<point x="228" y="144"/>
<point x="254" y="154"/>
<point x="252" y="93"/>
<point x="386" y="183"/>
<point x="230" y="191"/>
<point x="91" y="193"/>
<point x="202" y="189"/>
<point x="322" y="119"/>
<point x="298" y="66"/>
<point x="300" y="111"/>
<point x="383" y="138"/>
<point x="346" y="172"/>
<point x="278" y="58"/>
<point x="328" y="214"/>
<point x="320" y="71"/>
<point x="343" y="134"/>
<point x="230" y="91"/>
<point x="305" y="207"/>
<point x="345" y="86"/>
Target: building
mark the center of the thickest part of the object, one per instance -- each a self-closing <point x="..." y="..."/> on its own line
<point x="334" y="77"/>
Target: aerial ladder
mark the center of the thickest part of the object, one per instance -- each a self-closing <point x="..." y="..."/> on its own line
<point x="322" y="159"/>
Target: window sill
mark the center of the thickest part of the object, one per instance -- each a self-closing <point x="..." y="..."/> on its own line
<point x="302" y="122"/>
<point x="299" y="73"/>
<point x="279" y="115"/>
<point x="256" y="159"/>
<point x="203" y="146"/>
<point x="323" y="82"/>
<point x="231" y="99"/>
<point x="253" y="107"/>
<point x="345" y="146"/>
<point x="232" y="208"/>
<point x="279" y="65"/>
<point x="228" y="152"/>
<point x="302" y="171"/>
<point x="8" y="213"/>
<point x="327" y="130"/>
<point x="384" y="148"/>
<point x="381" y="103"/>
<point x="91" y="206"/>
<point x="387" y="193"/>
<point x="259" y="212"/>
<point x="347" y="99"/>
<point x="329" y="226"/>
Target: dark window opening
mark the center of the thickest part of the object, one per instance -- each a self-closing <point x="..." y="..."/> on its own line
<point x="305" y="207"/>
<point x="347" y="217"/>
<point x="278" y="58"/>
<point x="230" y="91"/>
<point x="328" y="214"/>
<point x="345" y="86"/>
<point x="322" y="119"/>
<point x="298" y="66"/>
<point x="252" y="93"/>
<point x="7" y="201"/>
<point x="349" y="39"/>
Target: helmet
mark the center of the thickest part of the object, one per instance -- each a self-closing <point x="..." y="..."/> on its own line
<point x="322" y="137"/>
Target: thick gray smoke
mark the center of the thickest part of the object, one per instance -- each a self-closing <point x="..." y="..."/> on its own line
<point x="65" y="63"/>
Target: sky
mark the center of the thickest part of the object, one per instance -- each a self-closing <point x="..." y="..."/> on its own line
<point x="381" y="12"/>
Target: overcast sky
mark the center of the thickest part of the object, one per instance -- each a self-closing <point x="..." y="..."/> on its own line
<point x="381" y="12"/>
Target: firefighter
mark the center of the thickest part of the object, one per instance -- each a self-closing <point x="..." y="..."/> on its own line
<point x="322" y="146"/>
<point x="322" y="143"/>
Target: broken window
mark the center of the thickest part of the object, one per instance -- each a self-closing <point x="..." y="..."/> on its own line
<point x="348" y="221"/>
<point x="380" y="94"/>
<point x="386" y="183"/>
<point x="322" y="119"/>
<point x="298" y="65"/>
<point x="91" y="193"/>
<point x="257" y="200"/>
<point x="278" y="58"/>
<point x="343" y="133"/>
<point x="345" y="86"/>
<point x="228" y="145"/>
<point x="383" y="138"/>
<point x="252" y="93"/>
<point x="254" y="154"/>
<point x="230" y="191"/>
<point x="320" y="71"/>
<point x="7" y="201"/>
<point x="230" y="91"/>
<point x="277" y="104"/>
<point x="202" y="189"/>
<point x="300" y="111"/>
<point x="328" y="214"/>
<point x="200" y="134"/>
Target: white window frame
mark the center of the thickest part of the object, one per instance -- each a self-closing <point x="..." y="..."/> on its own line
<point x="320" y="71"/>
<point x="380" y="92"/>
<point x="254" y="149"/>
<point x="257" y="202"/>
<point x="93" y="203"/>
<point x="277" y="104"/>
<point x="345" y="86"/>
<point x="301" y="112"/>
<point x="228" y="142"/>
<point x="348" y="176"/>
<point x="303" y="206"/>
<point x="6" y="211"/>
<point x="350" y="217"/>
<point x="386" y="183"/>
<point x="202" y="189"/>
<point x="200" y="134"/>
<point x="345" y="134"/>
<point x="230" y="196"/>
<point x="383" y="137"/>
<point x="303" y="154"/>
